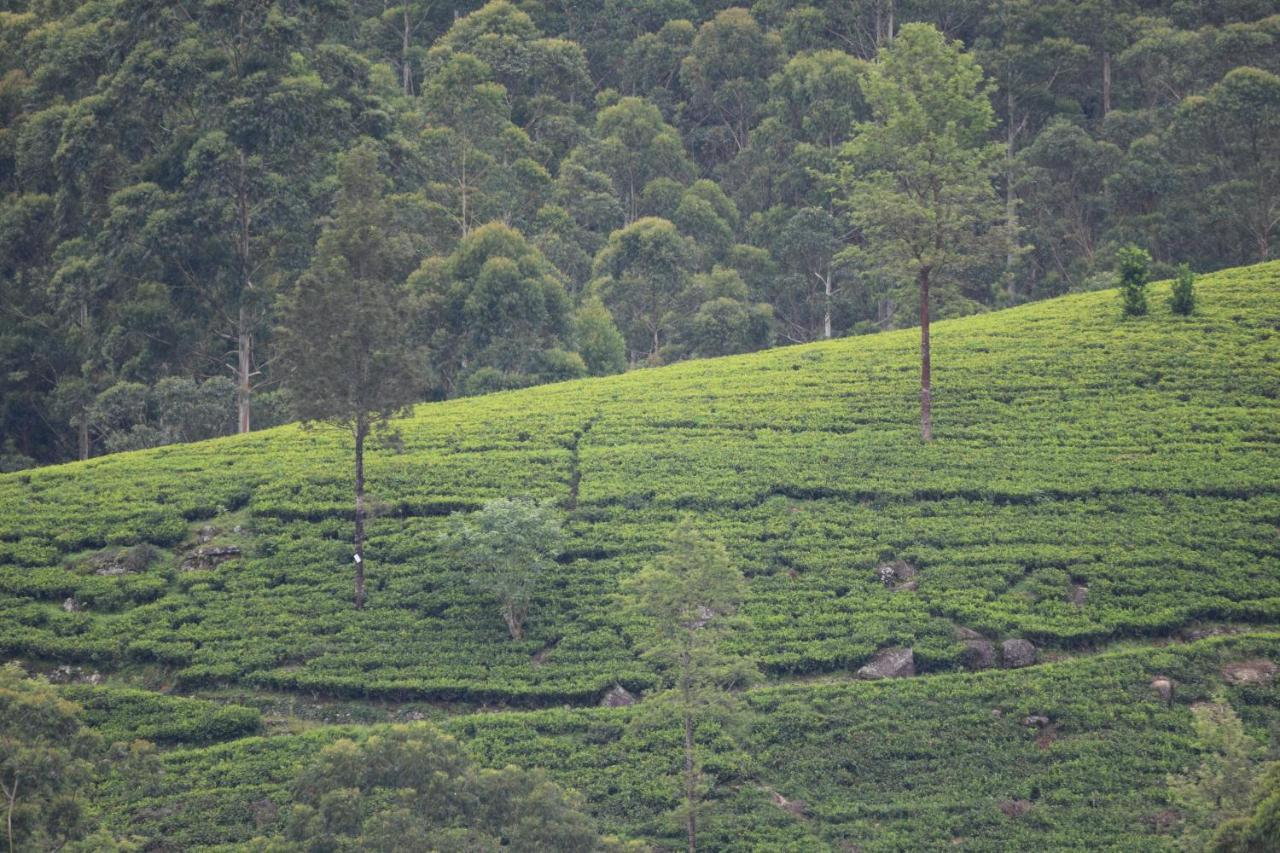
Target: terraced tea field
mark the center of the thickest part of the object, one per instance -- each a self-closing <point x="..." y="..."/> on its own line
<point x="1094" y="482"/>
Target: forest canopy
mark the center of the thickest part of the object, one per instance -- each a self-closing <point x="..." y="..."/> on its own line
<point x="574" y="187"/>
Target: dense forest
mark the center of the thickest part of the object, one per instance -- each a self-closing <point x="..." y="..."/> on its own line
<point x="571" y="188"/>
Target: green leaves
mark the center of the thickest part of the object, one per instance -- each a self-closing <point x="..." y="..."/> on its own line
<point x="506" y="546"/>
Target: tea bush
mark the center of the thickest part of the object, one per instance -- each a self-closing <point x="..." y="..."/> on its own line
<point x="1075" y="449"/>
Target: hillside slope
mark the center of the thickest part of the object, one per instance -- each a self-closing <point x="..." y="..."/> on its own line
<point x="1136" y="458"/>
<point x="1095" y="483"/>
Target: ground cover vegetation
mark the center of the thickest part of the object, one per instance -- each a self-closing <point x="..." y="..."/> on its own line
<point x="959" y="760"/>
<point x="1097" y="480"/>
<point x="579" y="187"/>
<point x="1103" y="477"/>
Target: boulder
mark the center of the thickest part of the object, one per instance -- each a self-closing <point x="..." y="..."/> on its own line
<point x="895" y="662"/>
<point x="70" y="604"/>
<point x="1017" y="653"/>
<point x="1079" y="594"/>
<point x="898" y="575"/>
<point x="979" y="654"/>
<point x="617" y="697"/>
<point x="1163" y="688"/>
<point x="1038" y="720"/>
<point x="1259" y="671"/>
<point x="209" y="556"/>
<point x="1015" y="808"/>
<point x="795" y="807"/>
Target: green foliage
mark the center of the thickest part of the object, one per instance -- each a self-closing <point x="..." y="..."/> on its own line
<point x="602" y="346"/>
<point x="413" y="788"/>
<point x="685" y="603"/>
<point x="917" y="176"/>
<point x="1182" y="296"/>
<point x="1133" y="268"/>
<point x="164" y="177"/>
<point x="640" y="273"/>
<point x="892" y="765"/>
<point x="120" y="714"/>
<point x="506" y="546"/>
<point x="46" y="764"/>
<point x="344" y="335"/>
<point x="494" y="303"/>
<point x="1143" y="475"/>
<point x="1221" y="788"/>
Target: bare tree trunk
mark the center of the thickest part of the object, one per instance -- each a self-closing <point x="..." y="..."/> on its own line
<point x="11" y="794"/>
<point x="826" y="306"/>
<point x="406" y="77"/>
<point x="244" y="367"/>
<point x="362" y="430"/>
<point x="926" y="391"/>
<point x="1106" y="83"/>
<point x="83" y="431"/>
<point x="690" y="784"/>
<point x="1010" y="203"/>
<point x="244" y="337"/>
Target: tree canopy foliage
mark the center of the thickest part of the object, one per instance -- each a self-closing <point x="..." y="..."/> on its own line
<point x="167" y="172"/>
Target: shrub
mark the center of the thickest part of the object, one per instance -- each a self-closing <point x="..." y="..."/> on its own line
<point x="1182" y="300"/>
<point x="1135" y="268"/>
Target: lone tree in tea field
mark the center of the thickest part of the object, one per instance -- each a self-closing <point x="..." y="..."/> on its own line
<point x="916" y="179"/>
<point x="1134" y="270"/>
<point x="506" y="546"/>
<point x="684" y="605"/>
<point x="345" y="339"/>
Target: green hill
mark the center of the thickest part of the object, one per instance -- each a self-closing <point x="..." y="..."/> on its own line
<point x="1095" y="481"/>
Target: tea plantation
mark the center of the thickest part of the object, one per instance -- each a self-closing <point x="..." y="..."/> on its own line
<point x="1096" y="482"/>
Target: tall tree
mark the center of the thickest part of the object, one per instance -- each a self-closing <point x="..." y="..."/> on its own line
<point x="494" y="304"/>
<point x="1229" y="139"/>
<point x="639" y="273"/>
<point x="344" y="337"/>
<point x="917" y="177"/>
<point x="684" y="605"/>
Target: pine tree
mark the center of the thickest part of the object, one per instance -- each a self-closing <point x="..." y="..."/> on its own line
<point x="685" y="604"/>
<point x="345" y="339"/>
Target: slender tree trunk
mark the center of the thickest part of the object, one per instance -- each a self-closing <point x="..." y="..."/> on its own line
<point x="826" y="306"/>
<point x="690" y="785"/>
<point x="244" y="337"/>
<point x="244" y="366"/>
<point x="1106" y="83"/>
<point x="1010" y="203"/>
<point x="926" y="390"/>
<point x="83" y="437"/>
<point x="11" y="794"/>
<point x="362" y="430"/>
<point x="406" y="78"/>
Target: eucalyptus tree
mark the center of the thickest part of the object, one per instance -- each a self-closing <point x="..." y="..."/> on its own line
<point x="917" y="177"/>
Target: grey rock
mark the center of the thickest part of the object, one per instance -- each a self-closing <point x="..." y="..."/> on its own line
<point x="1017" y="653"/>
<point x="1259" y="671"/>
<point x="979" y="654"/>
<point x="209" y="556"/>
<point x="617" y="697"/>
<point x="895" y="662"/>
<point x="1163" y="688"/>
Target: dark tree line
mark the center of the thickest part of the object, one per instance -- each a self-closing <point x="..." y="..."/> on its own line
<point x="575" y="186"/>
